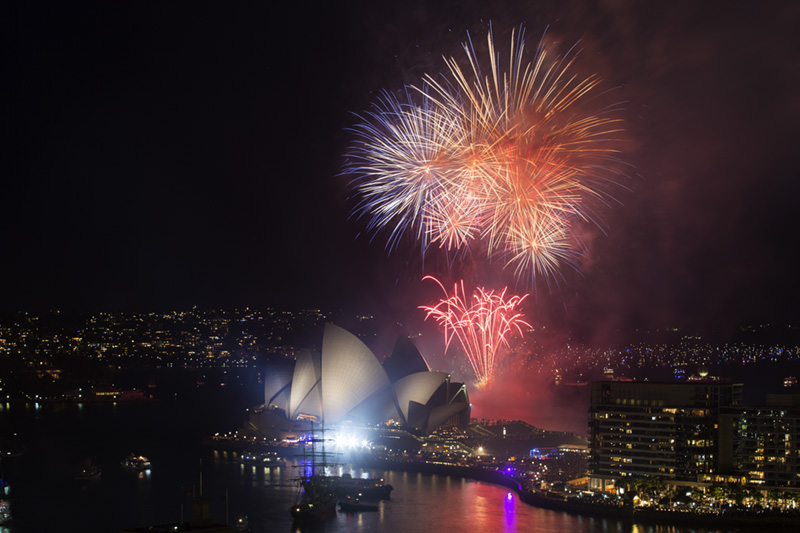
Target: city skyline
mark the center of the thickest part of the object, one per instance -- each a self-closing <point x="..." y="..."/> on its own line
<point x="53" y="354"/>
<point x="164" y="158"/>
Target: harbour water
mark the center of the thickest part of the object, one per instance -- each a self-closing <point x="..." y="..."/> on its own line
<point x="57" y="438"/>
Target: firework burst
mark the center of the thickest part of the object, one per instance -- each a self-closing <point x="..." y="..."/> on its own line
<point x="508" y="158"/>
<point x="482" y="325"/>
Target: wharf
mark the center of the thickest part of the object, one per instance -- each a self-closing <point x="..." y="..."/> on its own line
<point x="249" y="445"/>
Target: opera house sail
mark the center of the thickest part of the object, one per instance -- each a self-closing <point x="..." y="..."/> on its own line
<point x="346" y="382"/>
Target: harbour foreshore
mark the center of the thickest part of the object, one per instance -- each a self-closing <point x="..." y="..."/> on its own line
<point x="626" y="512"/>
<point x="551" y="500"/>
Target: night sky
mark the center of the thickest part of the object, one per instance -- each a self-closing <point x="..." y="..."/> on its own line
<point x="161" y="156"/>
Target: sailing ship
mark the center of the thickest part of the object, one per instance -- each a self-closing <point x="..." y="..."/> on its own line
<point x="316" y="498"/>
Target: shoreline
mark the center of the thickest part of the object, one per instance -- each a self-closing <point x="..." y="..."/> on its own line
<point x="625" y="513"/>
<point x="553" y="501"/>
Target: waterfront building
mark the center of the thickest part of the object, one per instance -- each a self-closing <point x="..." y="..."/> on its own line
<point x="767" y="442"/>
<point x="670" y="430"/>
<point x="346" y="382"/>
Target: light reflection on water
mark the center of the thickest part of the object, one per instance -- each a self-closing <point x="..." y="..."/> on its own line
<point x="58" y="438"/>
<point x="419" y="501"/>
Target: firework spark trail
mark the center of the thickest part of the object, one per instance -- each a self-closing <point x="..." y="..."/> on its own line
<point x="482" y="327"/>
<point x="406" y="156"/>
<point x="507" y="158"/>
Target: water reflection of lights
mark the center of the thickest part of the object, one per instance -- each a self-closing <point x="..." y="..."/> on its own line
<point x="509" y="511"/>
<point x="143" y="474"/>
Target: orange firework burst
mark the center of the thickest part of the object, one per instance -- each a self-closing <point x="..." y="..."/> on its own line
<point x="482" y="325"/>
<point x="507" y="156"/>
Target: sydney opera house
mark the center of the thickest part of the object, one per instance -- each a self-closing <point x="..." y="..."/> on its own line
<point x="346" y="384"/>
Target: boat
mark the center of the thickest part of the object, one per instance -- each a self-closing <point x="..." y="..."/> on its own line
<point x="316" y="498"/>
<point x="136" y="462"/>
<point x="353" y="505"/>
<point x="367" y="489"/>
<point x="242" y="523"/>
<point x="316" y="501"/>
<point x="5" y="506"/>
<point x="89" y="472"/>
<point x="261" y="458"/>
<point x="10" y="446"/>
<point x="5" y="511"/>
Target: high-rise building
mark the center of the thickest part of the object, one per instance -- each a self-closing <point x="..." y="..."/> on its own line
<point x="767" y="441"/>
<point x="670" y="430"/>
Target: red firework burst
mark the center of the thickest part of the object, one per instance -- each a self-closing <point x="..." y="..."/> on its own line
<point x="482" y="324"/>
